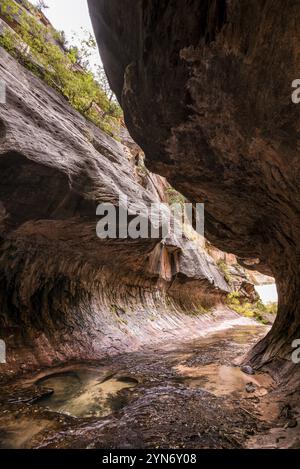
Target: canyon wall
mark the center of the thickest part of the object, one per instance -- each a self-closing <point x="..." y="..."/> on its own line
<point x="205" y="86"/>
<point x="64" y="293"/>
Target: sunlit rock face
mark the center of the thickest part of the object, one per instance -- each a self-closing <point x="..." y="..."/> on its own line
<point x="64" y="293"/>
<point x="206" y="90"/>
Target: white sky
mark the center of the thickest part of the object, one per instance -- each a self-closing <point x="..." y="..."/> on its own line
<point x="267" y="293"/>
<point x="70" y="16"/>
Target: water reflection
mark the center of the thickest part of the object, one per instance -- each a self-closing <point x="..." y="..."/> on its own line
<point x="85" y="393"/>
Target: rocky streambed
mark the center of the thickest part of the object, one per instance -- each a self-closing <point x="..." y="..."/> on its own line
<point x="188" y="394"/>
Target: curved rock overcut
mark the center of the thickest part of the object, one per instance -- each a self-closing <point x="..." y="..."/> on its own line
<point x="65" y="293"/>
<point x="205" y="86"/>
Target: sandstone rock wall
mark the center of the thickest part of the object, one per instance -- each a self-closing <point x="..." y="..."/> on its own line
<point x="205" y="86"/>
<point x="64" y="293"/>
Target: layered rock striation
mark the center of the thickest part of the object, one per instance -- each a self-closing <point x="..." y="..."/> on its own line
<point x="64" y="293"/>
<point x="205" y="86"/>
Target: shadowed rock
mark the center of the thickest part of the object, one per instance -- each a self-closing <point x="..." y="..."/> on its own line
<point x="206" y="90"/>
<point x="64" y="292"/>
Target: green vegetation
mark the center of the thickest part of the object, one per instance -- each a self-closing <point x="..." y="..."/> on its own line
<point x="200" y="310"/>
<point x="141" y="169"/>
<point x="64" y="69"/>
<point x="174" y="197"/>
<point x="224" y="269"/>
<point x="271" y="308"/>
<point x="256" y="310"/>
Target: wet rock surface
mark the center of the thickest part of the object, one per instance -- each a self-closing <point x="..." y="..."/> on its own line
<point x="206" y="91"/>
<point x="176" y="396"/>
<point x="64" y="293"/>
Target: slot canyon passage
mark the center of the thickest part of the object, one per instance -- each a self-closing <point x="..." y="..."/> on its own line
<point x="142" y="343"/>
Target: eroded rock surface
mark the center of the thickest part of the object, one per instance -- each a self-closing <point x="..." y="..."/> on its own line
<point x="183" y="394"/>
<point x="66" y="294"/>
<point x="206" y="90"/>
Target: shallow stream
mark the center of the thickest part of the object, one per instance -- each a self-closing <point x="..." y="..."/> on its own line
<point x="192" y="394"/>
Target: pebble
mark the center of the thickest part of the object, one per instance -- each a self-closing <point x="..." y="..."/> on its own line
<point x="248" y="370"/>
<point x="250" y="387"/>
<point x="292" y="423"/>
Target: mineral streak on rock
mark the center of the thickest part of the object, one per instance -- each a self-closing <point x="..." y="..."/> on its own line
<point x="66" y="294"/>
<point x="206" y="90"/>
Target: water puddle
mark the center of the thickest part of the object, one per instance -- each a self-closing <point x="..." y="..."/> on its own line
<point x="223" y="380"/>
<point x="90" y="390"/>
<point x="17" y="434"/>
<point x="85" y="393"/>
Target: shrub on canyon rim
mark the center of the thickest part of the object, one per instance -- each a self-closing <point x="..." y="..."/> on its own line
<point x="62" y="68"/>
<point x="256" y="310"/>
